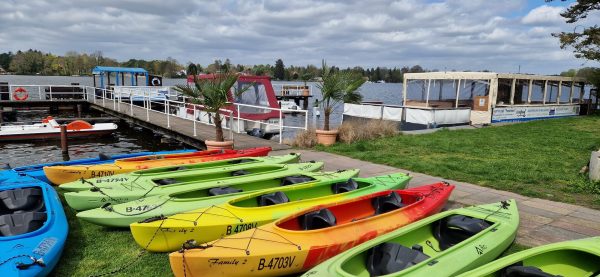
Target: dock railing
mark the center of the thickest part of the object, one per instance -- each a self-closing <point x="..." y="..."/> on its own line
<point x="293" y="89"/>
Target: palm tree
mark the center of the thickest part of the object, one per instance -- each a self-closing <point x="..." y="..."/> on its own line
<point x="338" y="87"/>
<point x="212" y="94"/>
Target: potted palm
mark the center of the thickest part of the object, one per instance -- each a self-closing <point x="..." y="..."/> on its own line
<point x="336" y="87"/>
<point x="212" y="93"/>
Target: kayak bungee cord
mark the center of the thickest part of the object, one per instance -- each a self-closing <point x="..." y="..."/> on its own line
<point x="137" y="258"/>
<point x="195" y="221"/>
<point x="99" y="190"/>
<point x="108" y="207"/>
<point x="22" y="266"/>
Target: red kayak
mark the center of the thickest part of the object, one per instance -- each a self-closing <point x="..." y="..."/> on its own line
<point x="299" y="242"/>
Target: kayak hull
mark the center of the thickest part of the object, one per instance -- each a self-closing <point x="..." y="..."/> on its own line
<point x="44" y="244"/>
<point x="441" y="258"/>
<point x="213" y="222"/>
<point x="65" y="174"/>
<point x="94" y="198"/>
<point x="280" y="248"/>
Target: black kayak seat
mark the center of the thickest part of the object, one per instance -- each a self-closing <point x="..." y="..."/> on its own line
<point x="319" y="219"/>
<point x="241" y="161"/>
<point x="104" y="157"/>
<point x="296" y="179"/>
<point x="178" y="168"/>
<point x="387" y="203"/>
<point x="223" y="190"/>
<point x="240" y="173"/>
<point x="389" y="257"/>
<point x="27" y="199"/>
<point x="21" y="222"/>
<point x="166" y="181"/>
<point x="525" y="271"/>
<point x="456" y="228"/>
<point x="275" y="198"/>
<point x="342" y="187"/>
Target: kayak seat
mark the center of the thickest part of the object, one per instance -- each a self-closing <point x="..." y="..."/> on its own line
<point x="387" y="203"/>
<point x="223" y="190"/>
<point x="296" y="179"/>
<point x="342" y="187"/>
<point x="240" y="161"/>
<point x="179" y="168"/>
<point x="21" y="223"/>
<point x="26" y="199"/>
<point x="272" y="199"/>
<point x="103" y="157"/>
<point x="525" y="271"/>
<point x="320" y="219"/>
<point x="456" y="228"/>
<point x="388" y="257"/>
<point x="166" y="181"/>
<point x="240" y="173"/>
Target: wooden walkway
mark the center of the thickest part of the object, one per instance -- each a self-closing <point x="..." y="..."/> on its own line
<point x="179" y="128"/>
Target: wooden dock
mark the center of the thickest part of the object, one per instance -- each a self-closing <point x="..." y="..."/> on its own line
<point x="179" y="128"/>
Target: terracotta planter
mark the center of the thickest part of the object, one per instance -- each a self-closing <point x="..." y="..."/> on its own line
<point x="305" y="91"/>
<point x="326" y="137"/>
<point x="218" y="145"/>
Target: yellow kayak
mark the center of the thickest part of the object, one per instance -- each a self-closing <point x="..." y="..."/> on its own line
<point x="64" y="174"/>
<point x="256" y="209"/>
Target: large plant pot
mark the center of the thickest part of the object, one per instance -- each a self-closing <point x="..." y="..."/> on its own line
<point x="218" y="145"/>
<point x="326" y="137"/>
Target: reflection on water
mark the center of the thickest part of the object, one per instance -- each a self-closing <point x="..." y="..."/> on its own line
<point x="125" y="139"/>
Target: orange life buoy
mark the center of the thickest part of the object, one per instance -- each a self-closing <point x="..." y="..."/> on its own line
<point x="20" y="94"/>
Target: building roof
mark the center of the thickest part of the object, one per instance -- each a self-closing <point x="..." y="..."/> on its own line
<point x="487" y="75"/>
<point x="110" y="69"/>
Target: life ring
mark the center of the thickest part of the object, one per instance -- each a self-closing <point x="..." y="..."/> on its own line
<point x="155" y="82"/>
<point x="20" y="94"/>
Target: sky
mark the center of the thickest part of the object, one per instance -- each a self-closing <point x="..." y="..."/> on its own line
<point x="496" y="35"/>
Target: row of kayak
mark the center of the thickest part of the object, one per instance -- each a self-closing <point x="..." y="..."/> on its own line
<point x="258" y="215"/>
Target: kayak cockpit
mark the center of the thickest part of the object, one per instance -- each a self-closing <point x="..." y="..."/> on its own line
<point x="246" y="160"/>
<point x="350" y="211"/>
<point x="22" y="211"/>
<point x="558" y="262"/>
<point x="219" y="174"/>
<point x="419" y="245"/>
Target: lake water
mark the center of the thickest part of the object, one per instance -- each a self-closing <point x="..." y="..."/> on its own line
<point x="134" y="139"/>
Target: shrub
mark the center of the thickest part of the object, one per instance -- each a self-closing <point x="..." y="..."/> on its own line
<point x="357" y="130"/>
<point x="305" y="139"/>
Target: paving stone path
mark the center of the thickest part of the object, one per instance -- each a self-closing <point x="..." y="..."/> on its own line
<point x="542" y="221"/>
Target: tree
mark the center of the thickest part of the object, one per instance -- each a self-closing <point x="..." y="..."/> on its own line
<point x="586" y="42"/>
<point x="279" y="72"/>
<point x="338" y="87"/>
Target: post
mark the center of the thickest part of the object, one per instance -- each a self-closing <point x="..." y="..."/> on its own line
<point x="64" y="145"/>
<point x="306" y="120"/>
<point x="280" y="126"/>
<point x="167" y="112"/>
<point x="231" y="124"/>
<point x="147" y="100"/>
<point x="50" y="93"/>
<point x="130" y="105"/>
<point x="79" y="108"/>
<point x="238" y="119"/>
<point x="428" y="89"/>
<point x="40" y="92"/>
<point x="195" y="108"/>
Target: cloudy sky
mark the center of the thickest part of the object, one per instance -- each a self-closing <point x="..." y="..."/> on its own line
<point x="497" y="35"/>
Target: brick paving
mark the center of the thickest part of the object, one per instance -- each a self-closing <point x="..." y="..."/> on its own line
<point x="542" y="221"/>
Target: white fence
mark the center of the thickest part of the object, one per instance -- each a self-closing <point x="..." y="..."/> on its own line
<point x="423" y="116"/>
<point x="144" y="97"/>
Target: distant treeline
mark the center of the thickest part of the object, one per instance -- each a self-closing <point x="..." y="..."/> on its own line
<point x="32" y="62"/>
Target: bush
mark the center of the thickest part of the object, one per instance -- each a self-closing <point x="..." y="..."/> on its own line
<point x="357" y="130"/>
<point x="305" y="139"/>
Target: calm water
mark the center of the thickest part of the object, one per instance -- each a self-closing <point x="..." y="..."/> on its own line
<point x="131" y="138"/>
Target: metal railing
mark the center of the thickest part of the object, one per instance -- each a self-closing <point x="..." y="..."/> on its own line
<point x="293" y="89"/>
<point x="42" y="92"/>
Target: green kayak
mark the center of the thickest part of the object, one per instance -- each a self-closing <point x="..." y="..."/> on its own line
<point x="567" y="258"/>
<point x="97" y="197"/>
<point x="179" y="173"/>
<point x="317" y="188"/>
<point x="445" y="244"/>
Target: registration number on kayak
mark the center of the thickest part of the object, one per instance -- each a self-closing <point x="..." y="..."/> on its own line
<point x="112" y="180"/>
<point x="240" y="228"/>
<point x="139" y="208"/>
<point x="276" y="263"/>
<point x="44" y="246"/>
<point x="102" y="173"/>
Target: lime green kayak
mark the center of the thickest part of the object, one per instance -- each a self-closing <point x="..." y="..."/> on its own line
<point x="180" y="173"/>
<point x="306" y="194"/>
<point x="445" y="244"/>
<point x="567" y="258"/>
<point x="97" y="197"/>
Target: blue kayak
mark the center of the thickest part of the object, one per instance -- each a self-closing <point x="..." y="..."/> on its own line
<point x="37" y="170"/>
<point x="33" y="226"/>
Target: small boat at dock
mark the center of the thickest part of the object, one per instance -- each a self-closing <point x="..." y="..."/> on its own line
<point x="50" y="129"/>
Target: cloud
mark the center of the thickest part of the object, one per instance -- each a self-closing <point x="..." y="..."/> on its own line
<point x="457" y="34"/>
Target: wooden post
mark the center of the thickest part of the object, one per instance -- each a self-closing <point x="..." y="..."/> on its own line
<point x="64" y="145"/>
<point x="79" y="108"/>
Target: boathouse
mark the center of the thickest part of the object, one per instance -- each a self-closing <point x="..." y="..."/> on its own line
<point x="436" y="99"/>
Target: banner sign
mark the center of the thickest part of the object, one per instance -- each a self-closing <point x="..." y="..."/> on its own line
<point x="524" y="113"/>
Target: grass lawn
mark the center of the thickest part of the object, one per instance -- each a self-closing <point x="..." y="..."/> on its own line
<point x="539" y="158"/>
<point x="93" y="250"/>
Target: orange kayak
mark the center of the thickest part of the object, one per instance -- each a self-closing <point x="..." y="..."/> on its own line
<point x="64" y="174"/>
<point x="296" y="243"/>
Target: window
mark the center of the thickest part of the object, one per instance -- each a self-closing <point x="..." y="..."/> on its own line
<point x="521" y="91"/>
<point x="504" y="87"/>
<point x="551" y="92"/>
<point x="565" y="92"/>
<point x="537" y="92"/>
<point x="256" y="95"/>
